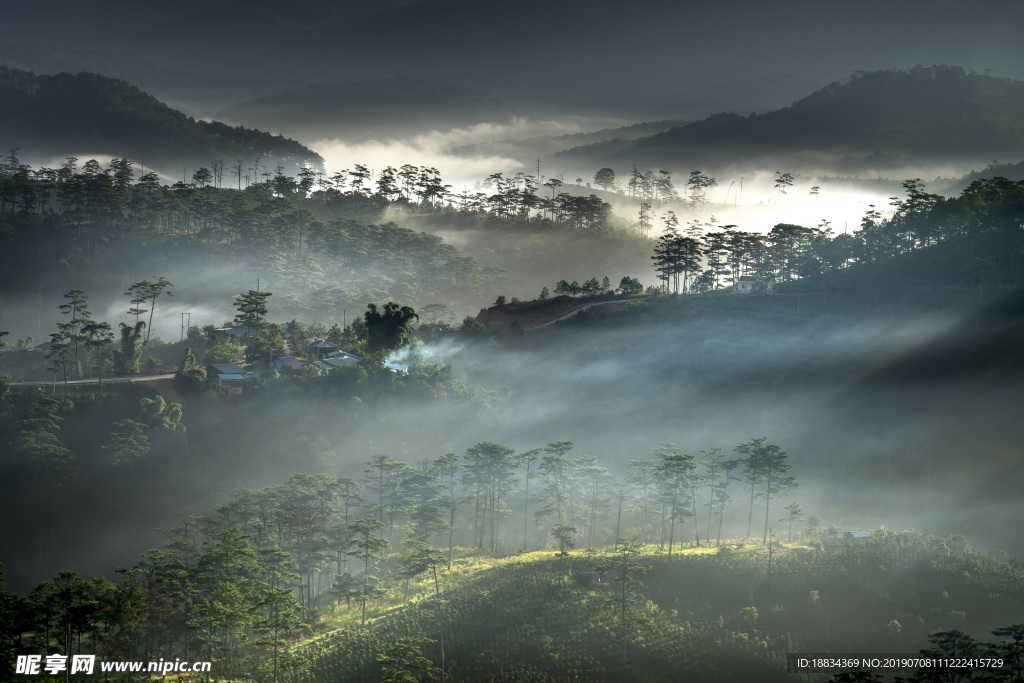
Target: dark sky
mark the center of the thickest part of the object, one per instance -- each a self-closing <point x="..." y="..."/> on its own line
<point x="528" y="53"/>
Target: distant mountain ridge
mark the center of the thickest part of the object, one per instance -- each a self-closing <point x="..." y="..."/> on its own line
<point x="89" y="113"/>
<point x="926" y="113"/>
<point x="370" y="106"/>
<point x="614" y="56"/>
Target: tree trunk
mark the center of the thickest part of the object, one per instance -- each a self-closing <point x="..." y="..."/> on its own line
<point x="750" y="517"/>
<point x="526" y="511"/>
<point x="671" y="531"/>
<point x="696" y="527"/>
<point x="618" y="519"/>
<point x="440" y="619"/>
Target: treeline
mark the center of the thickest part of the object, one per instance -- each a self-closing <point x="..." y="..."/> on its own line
<point x="988" y="215"/>
<point x="316" y="236"/>
<point x="318" y="255"/>
<point x="93" y="192"/>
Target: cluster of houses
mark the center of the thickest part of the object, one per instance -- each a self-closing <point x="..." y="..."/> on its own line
<point x="329" y="356"/>
<point x="231" y="379"/>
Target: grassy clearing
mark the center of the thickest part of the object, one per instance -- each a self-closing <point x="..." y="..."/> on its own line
<point x="468" y="566"/>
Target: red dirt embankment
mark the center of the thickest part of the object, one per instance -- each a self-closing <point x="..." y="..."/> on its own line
<point x="534" y="313"/>
<point x="530" y="314"/>
<point x="165" y="387"/>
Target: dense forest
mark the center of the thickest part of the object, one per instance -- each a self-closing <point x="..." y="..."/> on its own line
<point x="314" y="226"/>
<point x="443" y="341"/>
<point x="383" y="500"/>
<point x="244" y="587"/>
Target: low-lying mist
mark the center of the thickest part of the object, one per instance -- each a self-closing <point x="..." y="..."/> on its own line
<point x="446" y="150"/>
<point x="884" y="416"/>
<point x="868" y="446"/>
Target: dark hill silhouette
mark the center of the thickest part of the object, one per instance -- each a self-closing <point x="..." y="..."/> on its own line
<point x="926" y="113"/>
<point x="605" y="55"/>
<point x="1008" y="171"/>
<point x="371" y="106"/>
<point x="88" y="113"/>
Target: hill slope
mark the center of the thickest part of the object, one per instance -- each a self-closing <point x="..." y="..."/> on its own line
<point x="370" y="107"/>
<point x="561" y="53"/>
<point x="873" y="119"/>
<point x="91" y="114"/>
<point x="706" y="616"/>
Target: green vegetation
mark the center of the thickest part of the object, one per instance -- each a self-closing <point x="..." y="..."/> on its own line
<point x="318" y="241"/>
<point x="434" y="566"/>
<point x="984" y="220"/>
<point x="308" y="580"/>
<point x="531" y="617"/>
<point x="686" y="617"/>
<point x="51" y="114"/>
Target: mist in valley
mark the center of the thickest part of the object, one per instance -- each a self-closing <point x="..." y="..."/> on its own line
<point x="812" y="382"/>
<point x="640" y="296"/>
<point x="930" y="450"/>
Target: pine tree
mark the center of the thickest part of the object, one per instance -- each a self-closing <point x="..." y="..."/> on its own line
<point x="252" y="310"/>
<point x="367" y="544"/>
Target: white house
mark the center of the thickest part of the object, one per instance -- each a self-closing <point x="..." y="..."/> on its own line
<point x="745" y="284"/>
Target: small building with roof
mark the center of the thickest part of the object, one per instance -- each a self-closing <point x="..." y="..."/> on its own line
<point x="287" y="364"/>
<point x="322" y="347"/>
<point x="239" y="334"/>
<point x="348" y="358"/>
<point x="335" y="363"/>
<point x="228" y="379"/>
<point x="745" y="284"/>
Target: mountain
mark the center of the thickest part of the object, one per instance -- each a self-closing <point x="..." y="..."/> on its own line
<point x="164" y="78"/>
<point x="994" y="169"/>
<point x="628" y="57"/>
<point x="91" y="114"/>
<point x="372" y="107"/>
<point x="697" y="100"/>
<point x="872" y="120"/>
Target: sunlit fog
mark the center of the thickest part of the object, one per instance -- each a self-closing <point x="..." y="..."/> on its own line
<point x="430" y="340"/>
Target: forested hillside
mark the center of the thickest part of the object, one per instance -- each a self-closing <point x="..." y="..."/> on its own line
<point x="686" y="436"/>
<point x="92" y="114"/>
<point x="873" y="120"/>
<point x="324" y="243"/>
<point x="724" y="612"/>
<point x="437" y="341"/>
